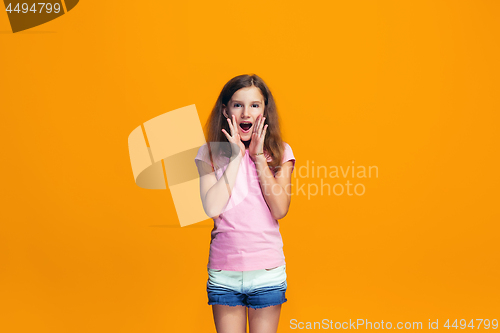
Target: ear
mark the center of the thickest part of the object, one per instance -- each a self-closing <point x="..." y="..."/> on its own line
<point x="224" y="112"/>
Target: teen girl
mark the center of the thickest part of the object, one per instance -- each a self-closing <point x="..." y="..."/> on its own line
<point x="245" y="179"/>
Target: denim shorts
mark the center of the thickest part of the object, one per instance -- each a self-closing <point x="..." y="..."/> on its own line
<point x="254" y="289"/>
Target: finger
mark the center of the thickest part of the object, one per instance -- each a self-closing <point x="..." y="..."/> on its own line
<point x="227" y="135"/>
<point x="233" y="124"/>
<point x="230" y="126"/>
<point x="236" y="127"/>
<point x="264" y="132"/>
<point x="256" y="125"/>
<point x="261" y="126"/>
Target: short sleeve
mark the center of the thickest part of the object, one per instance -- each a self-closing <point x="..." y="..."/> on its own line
<point x="288" y="155"/>
<point x="204" y="156"/>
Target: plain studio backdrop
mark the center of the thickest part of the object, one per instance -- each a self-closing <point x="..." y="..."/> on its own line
<point x="408" y="87"/>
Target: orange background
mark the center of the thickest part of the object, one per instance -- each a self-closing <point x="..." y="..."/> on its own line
<point x="409" y="87"/>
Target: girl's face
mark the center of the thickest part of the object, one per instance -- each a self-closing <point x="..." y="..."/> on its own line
<point x="246" y="105"/>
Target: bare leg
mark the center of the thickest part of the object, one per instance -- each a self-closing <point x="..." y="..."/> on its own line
<point x="264" y="320"/>
<point x="230" y="319"/>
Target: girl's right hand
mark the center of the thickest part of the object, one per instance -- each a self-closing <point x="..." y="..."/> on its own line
<point x="234" y="138"/>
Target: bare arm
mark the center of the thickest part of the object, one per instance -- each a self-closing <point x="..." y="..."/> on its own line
<point x="215" y="193"/>
<point x="276" y="189"/>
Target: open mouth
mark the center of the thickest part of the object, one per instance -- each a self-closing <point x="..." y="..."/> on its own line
<point x="245" y="127"/>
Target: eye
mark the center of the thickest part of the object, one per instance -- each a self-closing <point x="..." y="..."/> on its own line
<point x="257" y="105"/>
<point x="235" y="104"/>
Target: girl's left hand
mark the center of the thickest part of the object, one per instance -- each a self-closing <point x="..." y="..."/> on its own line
<point x="258" y="136"/>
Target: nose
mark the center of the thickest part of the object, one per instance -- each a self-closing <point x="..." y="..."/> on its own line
<point x="245" y="112"/>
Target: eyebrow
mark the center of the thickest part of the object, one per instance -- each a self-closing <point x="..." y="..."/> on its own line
<point x="250" y="102"/>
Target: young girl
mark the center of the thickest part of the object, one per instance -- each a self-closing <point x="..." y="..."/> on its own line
<point x="245" y="179"/>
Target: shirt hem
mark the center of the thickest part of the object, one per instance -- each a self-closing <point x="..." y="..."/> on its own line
<point x="246" y="268"/>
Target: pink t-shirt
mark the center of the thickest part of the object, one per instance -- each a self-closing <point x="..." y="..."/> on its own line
<point x="245" y="236"/>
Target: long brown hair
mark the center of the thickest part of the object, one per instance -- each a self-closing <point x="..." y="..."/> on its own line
<point x="273" y="143"/>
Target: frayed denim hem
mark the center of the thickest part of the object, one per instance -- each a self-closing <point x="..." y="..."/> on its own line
<point x="265" y="306"/>
<point x="221" y="303"/>
<point x="248" y="306"/>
